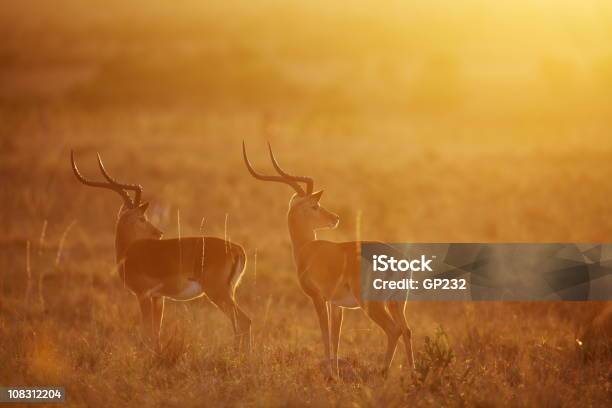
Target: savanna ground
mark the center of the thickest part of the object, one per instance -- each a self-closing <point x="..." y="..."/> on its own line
<point x="476" y="122"/>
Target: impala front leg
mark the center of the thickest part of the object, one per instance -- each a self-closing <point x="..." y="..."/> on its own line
<point x="158" y="315"/>
<point x="321" y="309"/>
<point x="146" y="309"/>
<point x="151" y="292"/>
<point x="336" y="314"/>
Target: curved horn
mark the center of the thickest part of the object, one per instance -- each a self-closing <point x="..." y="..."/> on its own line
<point x="125" y="196"/>
<point x="309" y="181"/>
<point x="137" y="188"/>
<point x="298" y="189"/>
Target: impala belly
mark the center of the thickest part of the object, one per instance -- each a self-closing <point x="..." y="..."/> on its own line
<point x="344" y="297"/>
<point x="191" y="290"/>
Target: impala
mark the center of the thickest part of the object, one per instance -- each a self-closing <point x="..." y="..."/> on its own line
<point x="329" y="272"/>
<point x="180" y="269"/>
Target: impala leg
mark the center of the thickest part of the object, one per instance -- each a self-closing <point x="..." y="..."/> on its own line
<point x="158" y="315"/>
<point x="321" y="309"/>
<point x="377" y="312"/>
<point x="228" y="309"/>
<point x="151" y="292"/>
<point x="146" y="309"/>
<point x="244" y="327"/>
<point x="397" y="311"/>
<point x="241" y="323"/>
<point x="336" y="314"/>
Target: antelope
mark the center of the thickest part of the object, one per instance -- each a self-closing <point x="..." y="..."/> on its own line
<point x="180" y="269"/>
<point x="329" y="272"/>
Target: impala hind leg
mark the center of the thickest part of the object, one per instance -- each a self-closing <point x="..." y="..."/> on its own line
<point x="241" y="323"/>
<point x="377" y="312"/>
<point x="397" y="311"/>
<point x="335" y="317"/>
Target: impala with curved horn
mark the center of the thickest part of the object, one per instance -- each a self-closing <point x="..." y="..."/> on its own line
<point x="180" y="269"/>
<point x="329" y="272"/>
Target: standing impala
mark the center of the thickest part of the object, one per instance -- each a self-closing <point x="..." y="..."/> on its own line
<point x="181" y="269"/>
<point x="329" y="272"/>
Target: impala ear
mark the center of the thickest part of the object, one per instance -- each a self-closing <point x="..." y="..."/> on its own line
<point x="317" y="195"/>
<point x="143" y="207"/>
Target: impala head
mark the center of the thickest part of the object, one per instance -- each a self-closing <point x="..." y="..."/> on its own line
<point x="135" y="225"/>
<point x="308" y="209"/>
<point x="132" y="222"/>
<point x="304" y="207"/>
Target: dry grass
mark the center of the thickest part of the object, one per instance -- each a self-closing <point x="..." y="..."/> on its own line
<point x="86" y="333"/>
<point x="466" y="173"/>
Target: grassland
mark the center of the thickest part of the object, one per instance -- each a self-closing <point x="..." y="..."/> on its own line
<point x="428" y="153"/>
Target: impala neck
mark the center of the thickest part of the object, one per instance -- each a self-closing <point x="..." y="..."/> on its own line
<point x="121" y="240"/>
<point x="300" y="235"/>
<point x="121" y="245"/>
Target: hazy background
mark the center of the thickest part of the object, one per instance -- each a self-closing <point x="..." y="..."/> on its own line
<point x="449" y="122"/>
